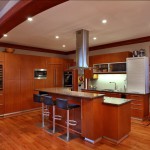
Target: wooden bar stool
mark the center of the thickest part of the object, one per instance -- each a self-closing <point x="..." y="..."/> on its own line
<point x="63" y="104"/>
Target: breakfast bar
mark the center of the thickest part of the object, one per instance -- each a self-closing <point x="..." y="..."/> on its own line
<point x="90" y="116"/>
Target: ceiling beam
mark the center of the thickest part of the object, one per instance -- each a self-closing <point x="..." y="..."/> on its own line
<point x="23" y="9"/>
<point x="99" y="47"/>
<point x="22" y="47"/>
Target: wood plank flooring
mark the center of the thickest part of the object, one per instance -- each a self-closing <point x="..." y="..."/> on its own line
<point x="20" y="133"/>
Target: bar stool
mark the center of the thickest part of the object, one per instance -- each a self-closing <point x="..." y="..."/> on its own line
<point x="49" y="102"/>
<point x="39" y="99"/>
<point x="63" y="104"/>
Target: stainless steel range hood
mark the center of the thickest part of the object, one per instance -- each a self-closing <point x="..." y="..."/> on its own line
<point x="82" y="51"/>
<point x="82" y="48"/>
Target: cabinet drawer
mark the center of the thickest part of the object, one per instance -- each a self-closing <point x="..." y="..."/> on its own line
<point x="137" y="113"/>
<point x="137" y="106"/>
<point x="137" y="102"/>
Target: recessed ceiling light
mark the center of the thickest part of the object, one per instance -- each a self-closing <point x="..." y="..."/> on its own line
<point x="30" y="19"/>
<point x="104" y="21"/>
<point x="94" y="38"/>
<point x="63" y="45"/>
<point x="57" y="37"/>
<point x="4" y="35"/>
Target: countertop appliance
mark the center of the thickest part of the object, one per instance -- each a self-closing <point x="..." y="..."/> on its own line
<point x="68" y="79"/>
<point x="40" y="73"/>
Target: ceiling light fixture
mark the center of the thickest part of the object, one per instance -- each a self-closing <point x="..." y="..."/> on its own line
<point x="4" y="35"/>
<point x="63" y="46"/>
<point x="30" y="19"/>
<point x="104" y="21"/>
<point x="94" y="38"/>
<point x="57" y="37"/>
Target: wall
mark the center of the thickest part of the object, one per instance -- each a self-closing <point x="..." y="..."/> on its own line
<point x="131" y="48"/>
<point x="103" y="81"/>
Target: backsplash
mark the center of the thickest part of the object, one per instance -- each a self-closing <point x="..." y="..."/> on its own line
<point x="103" y="81"/>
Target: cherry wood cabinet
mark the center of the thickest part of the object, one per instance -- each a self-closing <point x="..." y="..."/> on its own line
<point x="12" y="96"/>
<point x="1" y="56"/>
<point x="116" y="122"/>
<point x="12" y="67"/>
<point x="108" y="58"/>
<point x="1" y="103"/>
<point x="139" y="105"/>
<point x="54" y="75"/>
<point x="113" y="94"/>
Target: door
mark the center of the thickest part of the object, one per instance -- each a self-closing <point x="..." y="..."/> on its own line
<point x="54" y="75"/>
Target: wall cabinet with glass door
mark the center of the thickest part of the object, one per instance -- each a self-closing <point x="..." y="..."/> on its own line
<point x="116" y="67"/>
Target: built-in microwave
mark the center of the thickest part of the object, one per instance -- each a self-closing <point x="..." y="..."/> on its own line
<point x="40" y="73"/>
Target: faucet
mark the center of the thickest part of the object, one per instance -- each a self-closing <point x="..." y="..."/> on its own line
<point x="115" y="85"/>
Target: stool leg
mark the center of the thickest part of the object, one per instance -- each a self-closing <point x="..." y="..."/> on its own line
<point x="67" y="125"/>
<point x="43" y="115"/>
<point x="53" y="119"/>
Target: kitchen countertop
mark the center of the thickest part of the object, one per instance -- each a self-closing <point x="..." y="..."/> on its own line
<point x="112" y="91"/>
<point x="68" y="92"/>
<point x="115" y="101"/>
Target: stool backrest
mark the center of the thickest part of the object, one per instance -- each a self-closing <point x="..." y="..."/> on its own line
<point x="36" y="98"/>
<point x="48" y="100"/>
<point x="62" y="103"/>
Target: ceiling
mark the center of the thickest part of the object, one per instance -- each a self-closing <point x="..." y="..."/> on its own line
<point x="3" y="4"/>
<point x="126" y="20"/>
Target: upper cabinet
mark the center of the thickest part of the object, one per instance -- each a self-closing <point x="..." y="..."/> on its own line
<point x="117" y="67"/>
<point x="109" y="58"/>
<point x="1" y="56"/>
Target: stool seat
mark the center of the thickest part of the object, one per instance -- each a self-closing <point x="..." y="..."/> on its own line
<point x="37" y="98"/>
<point x="63" y="104"/>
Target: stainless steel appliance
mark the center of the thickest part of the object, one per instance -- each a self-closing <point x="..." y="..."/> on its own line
<point x="40" y="73"/>
<point x="68" y="79"/>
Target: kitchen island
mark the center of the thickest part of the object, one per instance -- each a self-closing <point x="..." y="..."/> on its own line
<point x="90" y="115"/>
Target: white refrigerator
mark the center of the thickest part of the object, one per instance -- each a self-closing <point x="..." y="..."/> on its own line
<point x="138" y="75"/>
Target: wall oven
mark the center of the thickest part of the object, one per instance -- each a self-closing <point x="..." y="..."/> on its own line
<point x="40" y="73"/>
<point x="68" y="79"/>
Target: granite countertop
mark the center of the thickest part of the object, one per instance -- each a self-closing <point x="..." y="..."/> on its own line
<point x="112" y="91"/>
<point x="115" y="101"/>
<point x="68" y="92"/>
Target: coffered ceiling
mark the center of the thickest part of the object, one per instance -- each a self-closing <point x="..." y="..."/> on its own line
<point x="125" y="20"/>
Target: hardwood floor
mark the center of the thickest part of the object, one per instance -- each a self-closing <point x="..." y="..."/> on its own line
<point x="20" y="133"/>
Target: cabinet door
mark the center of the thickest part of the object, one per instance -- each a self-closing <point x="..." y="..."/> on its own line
<point x="54" y="75"/>
<point x="50" y="81"/>
<point x="1" y="104"/>
<point x="27" y="95"/>
<point x="88" y="73"/>
<point x="1" y="56"/>
<point x="12" y="96"/>
<point x="58" y="76"/>
<point x="12" y="67"/>
<point x="27" y="71"/>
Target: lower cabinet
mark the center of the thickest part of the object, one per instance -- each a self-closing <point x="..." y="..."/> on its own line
<point x="139" y="105"/>
<point x="1" y="103"/>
